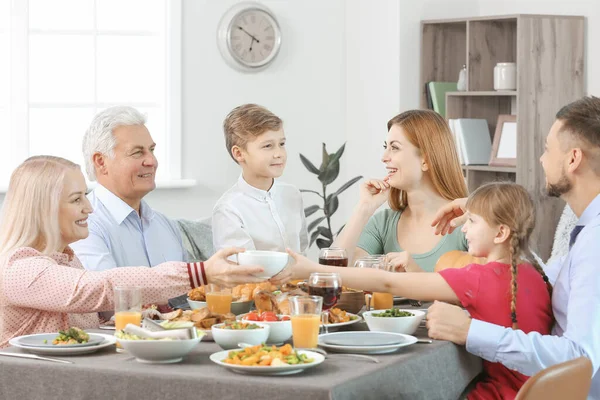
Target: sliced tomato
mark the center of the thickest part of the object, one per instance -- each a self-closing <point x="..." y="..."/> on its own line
<point x="251" y="317"/>
<point x="268" y="314"/>
<point x="269" y="318"/>
<point x="285" y="318"/>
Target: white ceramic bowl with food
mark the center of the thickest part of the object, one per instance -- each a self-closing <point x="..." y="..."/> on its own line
<point x="406" y="325"/>
<point x="229" y="338"/>
<point x="237" y="307"/>
<point x="273" y="262"/>
<point x="159" y="351"/>
<point x="280" y="331"/>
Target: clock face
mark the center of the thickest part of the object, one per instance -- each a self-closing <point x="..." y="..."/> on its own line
<point x="253" y="37"/>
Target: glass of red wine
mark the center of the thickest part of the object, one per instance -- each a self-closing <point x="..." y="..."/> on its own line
<point x="329" y="287"/>
<point x="333" y="256"/>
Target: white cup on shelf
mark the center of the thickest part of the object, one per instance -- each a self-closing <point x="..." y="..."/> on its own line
<point x="505" y="76"/>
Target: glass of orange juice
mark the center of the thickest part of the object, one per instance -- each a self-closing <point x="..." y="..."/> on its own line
<point x="382" y="301"/>
<point x="128" y="308"/>
<point x="218" y="299"/>
<point x="306" y="320"/>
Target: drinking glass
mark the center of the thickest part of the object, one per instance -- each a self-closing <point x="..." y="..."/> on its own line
<point x="306" y="318"/>
<point x="128" y="308"/>
<point x="218" y="299"/>
<point x="333" y="256"/>
<point x="381" y="301"/>
<point x="329" y="287"/>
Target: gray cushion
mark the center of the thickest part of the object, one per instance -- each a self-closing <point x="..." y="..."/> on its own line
<point x="566" y="223"/>
<point x="197" y="238"/>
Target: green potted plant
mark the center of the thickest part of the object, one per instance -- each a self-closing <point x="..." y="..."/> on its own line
<point x="327" y="173"/>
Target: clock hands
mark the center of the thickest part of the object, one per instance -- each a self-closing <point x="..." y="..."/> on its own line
<point x="254" y="39"/>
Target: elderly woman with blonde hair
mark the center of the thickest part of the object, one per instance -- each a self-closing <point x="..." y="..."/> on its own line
<point x="43" y="286"/>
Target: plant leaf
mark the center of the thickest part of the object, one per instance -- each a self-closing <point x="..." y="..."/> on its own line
<point x="313" y="237"/>
<point x="332" y="204"/>
<point x="331" y="173"/>
<point x="308" y="211"/>
<point x="347" y="185"/>
<point x="338" y="154"/>
<point x="338" y="232"/>
<point x="314" y="223"/>
<point x="309" y="166"/>
<point x="325" y="161"/>
<point x="325" y="232"/>
<point x="322" y="243"/>
<point x="311" y="191"/>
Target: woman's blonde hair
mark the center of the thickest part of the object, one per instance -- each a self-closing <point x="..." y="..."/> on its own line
<point x="506" y="203"/>
<point x="29" y="216"/>
<point x="429" y="133"/>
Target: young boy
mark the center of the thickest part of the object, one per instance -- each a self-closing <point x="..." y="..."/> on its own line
<point x="258" y="212"/>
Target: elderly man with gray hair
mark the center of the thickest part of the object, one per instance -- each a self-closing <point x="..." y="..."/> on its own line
<point x="123" y="229"/>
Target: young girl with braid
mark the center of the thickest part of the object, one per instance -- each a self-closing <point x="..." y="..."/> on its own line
<point x="511" y="289"/>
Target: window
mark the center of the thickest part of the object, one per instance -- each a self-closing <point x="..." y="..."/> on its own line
<point x="62" y="61"/>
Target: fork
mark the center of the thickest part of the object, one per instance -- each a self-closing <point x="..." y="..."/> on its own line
<point x="415" y="303"/>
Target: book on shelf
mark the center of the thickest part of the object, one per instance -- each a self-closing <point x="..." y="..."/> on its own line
<point x="437" y="93"/>
<point x="473" y="138"/>
<point x="428" y="97"/>
<point x="458" y="149"/>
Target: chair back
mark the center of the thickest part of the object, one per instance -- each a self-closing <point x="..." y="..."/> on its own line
<point x="569" y="380"/>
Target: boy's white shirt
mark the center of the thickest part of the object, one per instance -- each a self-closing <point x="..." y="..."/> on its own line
<point x="255" y="219"/>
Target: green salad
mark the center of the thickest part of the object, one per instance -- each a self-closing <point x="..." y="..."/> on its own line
<point x="71" y="336"/>
<point x="393" y="313"/>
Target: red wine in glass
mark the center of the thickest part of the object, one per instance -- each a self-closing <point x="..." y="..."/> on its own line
<point x="330" y="294"/>
<point x="334" y="261"/>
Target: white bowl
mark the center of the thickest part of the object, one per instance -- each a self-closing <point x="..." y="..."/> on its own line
<point x="280" y="331"/>
<point x="273" y="262"/>
<point x="229" y="338"/>
<point x="237" y="307"/>
<point x="406" y="325"/>
<point x="159" y="351"/>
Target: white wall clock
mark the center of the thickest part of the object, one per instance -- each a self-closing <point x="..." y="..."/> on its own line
<point x="249" y="37"/>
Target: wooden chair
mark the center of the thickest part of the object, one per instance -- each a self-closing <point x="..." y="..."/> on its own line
<point x="569" y="380"/>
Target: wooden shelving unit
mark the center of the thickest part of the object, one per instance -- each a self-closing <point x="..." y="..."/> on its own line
<point x="489" y="168"/>
<point x="483" y="93"/>
<point x="549" y="53"/>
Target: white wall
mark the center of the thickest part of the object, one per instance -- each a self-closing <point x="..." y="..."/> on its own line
<point x="345" y="68"/>
<point x="305" y="86"/>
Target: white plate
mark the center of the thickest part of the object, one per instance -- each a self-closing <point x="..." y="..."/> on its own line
<point x="282" y="370"/>
<point x="109" y="340"/>
<point x="398" y="339"/>
<point x="46" y="339"/>
<point x="356" y="319"/>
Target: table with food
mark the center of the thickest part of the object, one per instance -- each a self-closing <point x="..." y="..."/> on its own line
<point x="260" y="345"/>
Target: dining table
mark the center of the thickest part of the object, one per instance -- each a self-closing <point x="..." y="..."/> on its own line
<point x="436" y="370"/>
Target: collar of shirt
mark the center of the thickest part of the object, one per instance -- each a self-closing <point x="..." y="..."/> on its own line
<point x="256" y="193"/>
<point x="118" y="208"/>
<point x="64" y="257"/>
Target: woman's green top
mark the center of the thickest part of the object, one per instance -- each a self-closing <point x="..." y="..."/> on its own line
<point x="380" y="237"/>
